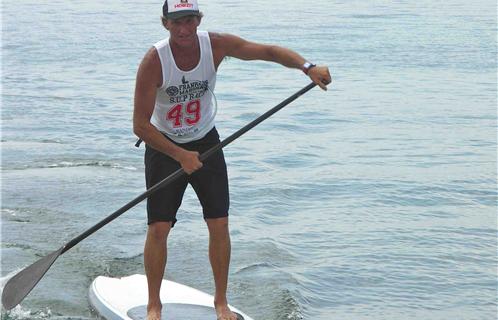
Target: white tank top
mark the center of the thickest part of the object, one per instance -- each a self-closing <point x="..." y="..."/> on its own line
<point x="184" y="109"/>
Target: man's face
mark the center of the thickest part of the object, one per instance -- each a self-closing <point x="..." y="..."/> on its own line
<point x="183" y="31"/>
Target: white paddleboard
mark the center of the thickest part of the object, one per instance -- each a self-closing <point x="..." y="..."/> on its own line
<point x="126" y="299"/>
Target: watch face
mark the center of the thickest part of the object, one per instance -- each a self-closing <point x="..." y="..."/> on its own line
<point x="306" y="65"/>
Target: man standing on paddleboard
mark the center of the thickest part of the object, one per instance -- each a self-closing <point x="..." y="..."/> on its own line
<point x="174" y="116"/>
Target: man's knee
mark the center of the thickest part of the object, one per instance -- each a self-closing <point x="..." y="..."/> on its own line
<point x="159" y="230"/>
<point x="218" y="226"/>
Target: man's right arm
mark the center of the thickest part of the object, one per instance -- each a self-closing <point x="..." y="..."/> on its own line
<point x="149" y="78"/>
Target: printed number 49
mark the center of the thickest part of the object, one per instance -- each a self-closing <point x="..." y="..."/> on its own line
<point x="178" y="116"/>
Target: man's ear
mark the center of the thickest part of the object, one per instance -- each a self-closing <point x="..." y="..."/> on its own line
<point x="164" y="22"/>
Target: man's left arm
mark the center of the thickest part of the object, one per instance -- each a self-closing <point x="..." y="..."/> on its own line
<point x="237" y="47"/>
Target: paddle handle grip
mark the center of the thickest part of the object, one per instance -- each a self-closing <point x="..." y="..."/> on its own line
<point x="178" y="173"/>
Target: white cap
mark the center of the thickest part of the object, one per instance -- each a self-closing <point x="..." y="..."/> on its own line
<point x="174" y="9"/>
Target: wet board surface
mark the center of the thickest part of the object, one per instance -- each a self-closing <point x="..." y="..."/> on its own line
<point x="178" y="311"/>
<point x="126" y="299"/>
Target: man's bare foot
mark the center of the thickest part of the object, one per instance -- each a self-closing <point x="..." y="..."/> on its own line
<point x="154" y="312"/>
<point x="224" y="313"/>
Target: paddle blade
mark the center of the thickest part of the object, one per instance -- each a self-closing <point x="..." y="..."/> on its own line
<point x="18" y="287"/>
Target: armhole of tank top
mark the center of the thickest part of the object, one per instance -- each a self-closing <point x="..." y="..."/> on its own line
<point x="158" y="49"/>
<point x="210" y="50"/>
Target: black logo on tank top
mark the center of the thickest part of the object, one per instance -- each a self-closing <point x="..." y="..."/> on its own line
<point x="172" y="91"/>
<point x="188" y="90"/>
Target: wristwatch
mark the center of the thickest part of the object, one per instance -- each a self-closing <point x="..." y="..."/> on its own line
<point x="307" y="66"/>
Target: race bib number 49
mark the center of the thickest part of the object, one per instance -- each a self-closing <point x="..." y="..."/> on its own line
<point x="185" y="114"/>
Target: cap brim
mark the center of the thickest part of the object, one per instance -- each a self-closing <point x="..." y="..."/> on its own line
<point x="181" y="14"/>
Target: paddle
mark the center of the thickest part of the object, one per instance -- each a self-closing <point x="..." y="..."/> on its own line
<point x="19" y="286"/>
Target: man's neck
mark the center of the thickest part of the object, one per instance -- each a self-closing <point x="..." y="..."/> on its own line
<point x="186" y="57"/>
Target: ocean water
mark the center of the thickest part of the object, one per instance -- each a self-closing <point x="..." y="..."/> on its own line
<point x="376" y="199"/>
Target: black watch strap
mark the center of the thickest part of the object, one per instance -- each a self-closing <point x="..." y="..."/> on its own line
<point x="307" y="66"/>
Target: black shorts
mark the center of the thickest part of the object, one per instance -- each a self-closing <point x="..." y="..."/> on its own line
<point x="209" y="182"/>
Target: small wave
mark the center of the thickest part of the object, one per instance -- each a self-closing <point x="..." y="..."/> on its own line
<point x="8" y="211"/>
<point x="16" y="313"/>
<point x="30" y="142"/>
<point x="381" y="16"/>
<point x="75" y="164"/>
<point x="289" y="306"/>
<point x="68" y="164"/>
<point x="255" y="267"/>
<point x="11" y="215"/>
<point x="19" y="313"/>
<point x="17" y="246"/>
<point x="17" y="214"/>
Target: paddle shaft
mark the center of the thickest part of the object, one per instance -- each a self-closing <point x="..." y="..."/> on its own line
<point x="178" y="173"/>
